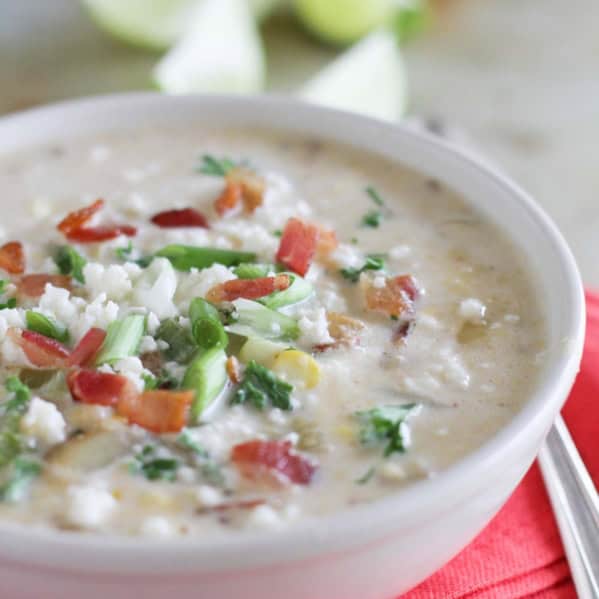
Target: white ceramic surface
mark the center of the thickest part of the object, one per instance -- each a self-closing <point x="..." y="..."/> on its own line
<point x="367" y="552"/>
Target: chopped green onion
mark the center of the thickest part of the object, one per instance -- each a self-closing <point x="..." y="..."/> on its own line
<point x="122" y="339"/>
<point x="11" y="441"/>
<point x="3" y="284"/>
<point x="216" y="167"/>
<point x="10" y="303"/>
<point x="155" y="468"/>
<point x="126" y="255"/>
<point x="70" y="262"/>
<point x="186" y="257"/>
<point x="181" y="344"/>
<point x="248" y="270"/>
<point x="373" y="262"/>
<point x="298" y="290"/>
<point x="372" y="219"/>
<point x="260" y="387"/>
<point x="366" y="477"/>
<point x="187" y="442"/>
<point x="255" y="319"/>
<point x="206" y="326"/>
<point x="206" y="376"/>
<point x="46" y="326"/>
<point x="22" y="471"/>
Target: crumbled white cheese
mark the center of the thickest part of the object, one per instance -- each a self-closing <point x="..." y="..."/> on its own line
<point x="147" y="344"/>
<point x="44" y="422"/>
<point x="133" y="369"/>
<point x="208" y="496"/>
<point x="264" y="517"/>
<point x="99" y="313"/>
<point x="250" y="237"/>
<point x="156" y="288"/>
<point x="379" y="281"/>
<point x="89" y="507"/>
<point x="452" y="369"/>
<point x="314" y="327"/>
<point x="331" y="300"/>
<point x="156" y="526"/>
<point x="472" y="310"/>
<point x="399" y="252"/>
<point x="11" y="317"/>
<point x="152" y="323"/>
<point x="198" y="283"/>
<point x="57" y="301"/>
<point x="346" y="256"/>
<point x="112" y="280"/>
<point x="11" y="354"/>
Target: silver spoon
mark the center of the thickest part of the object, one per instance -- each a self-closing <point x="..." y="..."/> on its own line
<point x="576" y="506"/>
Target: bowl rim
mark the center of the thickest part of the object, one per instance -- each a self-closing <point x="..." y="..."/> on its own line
<point x="339" y="529"/>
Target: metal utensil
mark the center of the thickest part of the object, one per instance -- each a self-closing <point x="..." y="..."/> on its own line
<point x="576" y="506"/>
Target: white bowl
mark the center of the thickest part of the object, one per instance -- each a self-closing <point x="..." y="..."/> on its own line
<point x="371" y="551"/>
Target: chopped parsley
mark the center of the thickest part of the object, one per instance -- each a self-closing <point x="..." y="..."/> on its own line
<point x="384" y="425"/>
<point x="373" y="262"/>
<point x="70" y="262"/>
<point x="153" y="467"/>
<point x="22" y="471"/>
<point x="209" y="470"/>
<point x="375" y="196"/>
<point x="11" y="442"/>
<point x="260" y="387"/>
<point x="9" y="303"/>
<point x="374" y="216"/>
<point x="188" y="442"/>
<point x="164" y="380"/>
<point x="216" y="167"/>
<point x="126" y="255"/>
<point x="366" y="477"/>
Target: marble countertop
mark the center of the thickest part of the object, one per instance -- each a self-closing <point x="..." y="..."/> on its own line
<point x="520" y="77"/>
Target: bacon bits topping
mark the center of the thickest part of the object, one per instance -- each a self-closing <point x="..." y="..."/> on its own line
<point x="247" y="288"/>
<point x="12" y="257"/>
<point x="186" y="217"/>
<point x="298" y="246"/>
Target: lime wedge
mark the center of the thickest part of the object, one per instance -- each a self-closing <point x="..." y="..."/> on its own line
<point x="221" y="52"/>
<point x="369" y="78"/>
<point x="343" y="21"/>
<point x="155" y="24"/>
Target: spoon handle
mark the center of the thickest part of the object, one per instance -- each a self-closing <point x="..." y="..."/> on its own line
<point x="576" y="506"/>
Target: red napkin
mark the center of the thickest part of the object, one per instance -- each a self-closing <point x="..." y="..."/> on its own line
<point x="520" y="554"/>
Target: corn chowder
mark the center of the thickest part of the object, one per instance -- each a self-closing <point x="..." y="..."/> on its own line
<point x="212" y="331"/>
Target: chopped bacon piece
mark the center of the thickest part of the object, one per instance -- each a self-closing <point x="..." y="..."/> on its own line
<point x="343" y="329"/>
<point x="12" y="257"/>
<point x="229" y="199"/>
<point x="158" y="411"/>
<point x="78" y="218"/>
<point x="403" y="330"/>
<point x="95" y="234"/>
<point x="100" y="388"/>
<point x="247" y="288"/>
<point x="252" y="187"/>
<point x="186" y="217"/>
<point x="35" y="285"/>
<point x="233" y="370"/>
<point x="395" y="298"/>
<point x="298" y="246"/>
<point x="258" y="458"/>
<point x="40" y="350"/>
<point x="327" y="242"/>
<point x="87" y="348"/>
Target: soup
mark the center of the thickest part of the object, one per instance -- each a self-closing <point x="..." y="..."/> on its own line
<point x="210" y="331"/>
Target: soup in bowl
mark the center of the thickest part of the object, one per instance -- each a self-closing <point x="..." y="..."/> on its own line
<point x="221" y="326"/>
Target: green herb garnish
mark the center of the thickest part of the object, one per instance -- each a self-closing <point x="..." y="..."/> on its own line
<point x="187" y="442"/>
<point x="46" y="326"/>
<point x="206" y="326"/>
<point x="70" y="262"/>
<point x="154" y="468"/>
<point x="216" y="167"/>
<point x="9" y="303"/>
<point x="181" y="344"/>
<point x="21" y="472"/>
<point x="186" y="257"/>
<point x="207" y="377"/>
<point x="209" y="469"/>
<point x="122" y="339"/>
<point x="366" y="477"/>
<point x="126" y="255"/>
<point x="11" y="441"/>
<point x="260" y="387"/>
<point x="252" y="270"/>
<point x="384" y="424"/>
<point x="373" y="262"/>
<point x="375" y="196"/>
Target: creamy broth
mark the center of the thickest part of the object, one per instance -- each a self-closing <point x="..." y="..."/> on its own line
<point x="464" y="350"/>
